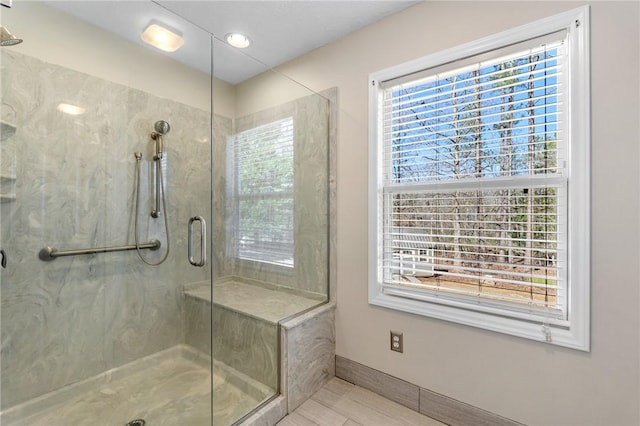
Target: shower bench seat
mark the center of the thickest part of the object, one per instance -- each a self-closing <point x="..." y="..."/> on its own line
<point x="267" y="303"/>
<point x="248" y="322"/>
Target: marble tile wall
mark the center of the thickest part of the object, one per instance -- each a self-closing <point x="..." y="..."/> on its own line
<point x="223" y="129"/>
<point x="308" y="346"/>
<point x="309" y="275"/>
<point x="198" y="323"/>
<point x="74" y="317"/>
<point x="247" y="344"/>
<point x="332" y="96"/>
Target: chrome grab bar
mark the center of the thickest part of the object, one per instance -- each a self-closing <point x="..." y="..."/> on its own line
<point x="49" y="253"/>
<point x="203" y="241"/>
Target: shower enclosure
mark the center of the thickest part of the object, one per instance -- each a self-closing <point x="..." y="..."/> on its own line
<point x="158" y="224"/>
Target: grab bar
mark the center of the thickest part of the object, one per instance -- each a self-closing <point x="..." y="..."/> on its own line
<point x="49" y="253"/>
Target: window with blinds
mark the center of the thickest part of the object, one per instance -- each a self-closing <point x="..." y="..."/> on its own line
<point x="473" y="163"/>
<point x="472" y="172"/>
<point x="262" y="193"/>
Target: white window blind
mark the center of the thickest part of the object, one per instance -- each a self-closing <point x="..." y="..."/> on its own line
<point x="473" y="163"/>
<point x="479" y="193"/>
<point x="263" y="193"/>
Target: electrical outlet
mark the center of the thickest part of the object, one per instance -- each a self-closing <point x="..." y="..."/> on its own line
<point x="396" y="341"/>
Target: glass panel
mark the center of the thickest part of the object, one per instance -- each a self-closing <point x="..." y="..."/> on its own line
<point x="88" y="336"/>
<point x="95" y="338"/>
<point x="271" y="223"/>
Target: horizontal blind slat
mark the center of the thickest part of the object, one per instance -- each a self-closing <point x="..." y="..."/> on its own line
<point x="263" y="192"/>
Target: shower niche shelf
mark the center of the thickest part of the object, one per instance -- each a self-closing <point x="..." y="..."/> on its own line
<point x="7" y="198"/>
<point x="6" y="130"/>
<point x="7" y="182"/>
<point x="7" y="178"/>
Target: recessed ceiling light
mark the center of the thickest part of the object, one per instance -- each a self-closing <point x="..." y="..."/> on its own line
<point x="238" y="40"/>
<point x="162" y="38"/>
<point x="70" y="109"/>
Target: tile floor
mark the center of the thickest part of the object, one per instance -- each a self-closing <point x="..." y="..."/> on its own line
<point x="340" y="403"/>
<point x="187" y="384"/>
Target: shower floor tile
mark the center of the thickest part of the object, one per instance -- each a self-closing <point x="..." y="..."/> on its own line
<point x="170" y="392"/>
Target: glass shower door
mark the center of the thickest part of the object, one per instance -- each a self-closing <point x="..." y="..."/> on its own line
<point x="99" y="321"/>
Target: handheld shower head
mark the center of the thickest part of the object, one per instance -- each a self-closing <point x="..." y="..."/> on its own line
<point x="162" y="127"/>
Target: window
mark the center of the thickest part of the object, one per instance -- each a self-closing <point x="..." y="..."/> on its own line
<point x="262" y="193"/>
<point x="479" y="172"/>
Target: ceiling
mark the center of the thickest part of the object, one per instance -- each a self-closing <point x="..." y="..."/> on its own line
<point x="279" y="30"/>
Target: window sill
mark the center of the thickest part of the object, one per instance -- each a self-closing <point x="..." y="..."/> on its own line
<point x="560" y="333"/>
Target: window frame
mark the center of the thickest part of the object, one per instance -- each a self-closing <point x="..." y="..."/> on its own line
<point x="574" y="332"/>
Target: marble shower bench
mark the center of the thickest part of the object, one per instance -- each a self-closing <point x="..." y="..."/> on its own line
<point x="249" y="320"/>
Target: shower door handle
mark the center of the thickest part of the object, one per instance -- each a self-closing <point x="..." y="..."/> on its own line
<point x="203" y="241"/>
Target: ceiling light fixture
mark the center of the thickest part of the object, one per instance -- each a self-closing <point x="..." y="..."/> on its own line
<point x="238" y="40"/>
<point x="165" y="39"/>
<point x="70" y="109"/>
<point x="8" y="39"/>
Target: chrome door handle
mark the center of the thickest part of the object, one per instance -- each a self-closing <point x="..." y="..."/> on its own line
<point x="203" y="241"/>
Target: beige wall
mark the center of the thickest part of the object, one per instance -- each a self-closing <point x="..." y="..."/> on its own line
<point x="267" y="90"/>
<point x="527" y="381"/>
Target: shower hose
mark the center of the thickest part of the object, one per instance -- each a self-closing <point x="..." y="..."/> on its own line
<point x="164" y="207"/>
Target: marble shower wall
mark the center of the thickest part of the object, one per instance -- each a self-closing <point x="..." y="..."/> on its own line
<point x="309" y="276"/>
<point x="73" y="178"/>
